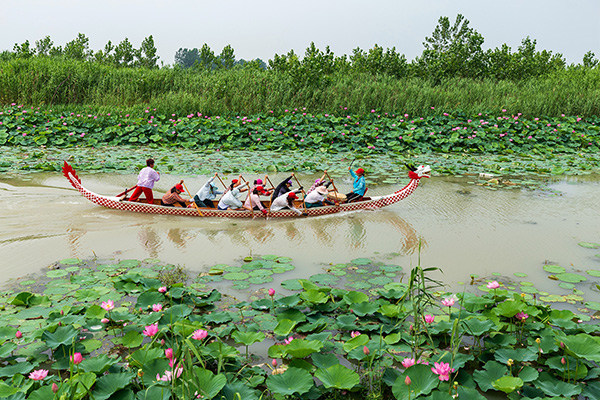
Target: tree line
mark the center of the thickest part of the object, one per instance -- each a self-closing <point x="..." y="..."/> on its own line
<point x="454" y="50"/>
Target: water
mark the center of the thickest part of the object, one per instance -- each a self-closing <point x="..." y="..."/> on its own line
<point x="461" y="228"/>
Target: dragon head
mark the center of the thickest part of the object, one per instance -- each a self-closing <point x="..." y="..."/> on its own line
<point x="422" y="171"/>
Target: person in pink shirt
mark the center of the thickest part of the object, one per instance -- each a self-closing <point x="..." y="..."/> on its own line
<point x="253" y="200"/>
<point x="146" y="179"/>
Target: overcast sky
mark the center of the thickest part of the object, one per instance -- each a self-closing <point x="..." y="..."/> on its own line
<point x="262" y="28"/>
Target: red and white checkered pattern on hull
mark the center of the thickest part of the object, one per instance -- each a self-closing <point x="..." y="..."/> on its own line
<point x="117" y="204"/>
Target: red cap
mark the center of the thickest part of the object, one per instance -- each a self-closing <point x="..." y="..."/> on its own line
<point x="234" y="181"/>
<point x="360" y="171"/>
<point x="292" y="195"/>
<point x="179" y="187"/>
<point x="261" y="189"/>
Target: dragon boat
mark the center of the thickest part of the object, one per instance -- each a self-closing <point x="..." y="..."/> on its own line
<point x="368" y="203"/>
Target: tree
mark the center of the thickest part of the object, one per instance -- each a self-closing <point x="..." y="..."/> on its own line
<point x="43" y="46"/>
<point x="590" y="60"/>
<point x="78" y="48"/>
<point x="147" y="53"/>
<point x="452" y="50"/>
<point x="125" y="53"/>
<point x="227" y="57"/>
<point x="207" y="58"/>
<point x="23" y="50"/>
<point x="186" y="58"/>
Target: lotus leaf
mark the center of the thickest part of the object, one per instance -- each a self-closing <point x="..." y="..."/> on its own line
<point x="570" y="277"/>
<point x="284" y="327"/>
<point x="303" y="348"/>
<point x="423" y="381"/>
<point x="281" y="268"/>
<point x="20" y="368"/>
<point x="293" y="380"/>
<point x="338" y="377"/>
<point x="359" y="285"/>
<point x="583" y="345"/>
<point x="291" y="284"/>
<point x="314" y="296"/>
<point x="553" y="387"/>
<point x="357" y="341"/>
<point x="589" y="245"/>
<point x="554" y="269"/>
<point x="247" y="338"/>
<point x="380" y="281"/>
<point x="70" y="261"/>
<point x="236" y="276"/>
<point x="324" y="279"/>
<point x="207" y="384"/>
<point x="324" y="360"/>
<point x="520" y="354"/>
<point x="508" y="384"/>
<point x="492" y="372"/>
<point x="292" y="314"/>
<point x="593" y="272"/>
<point x="109" y="384"/>
<point x="361" y="261"/>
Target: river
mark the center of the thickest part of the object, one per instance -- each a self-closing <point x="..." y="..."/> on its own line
<point x="459" y="227"/>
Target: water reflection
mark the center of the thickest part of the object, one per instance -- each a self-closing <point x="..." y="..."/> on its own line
<point x="150" y="240"/>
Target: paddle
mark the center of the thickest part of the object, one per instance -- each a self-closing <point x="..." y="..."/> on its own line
<point x="193" y="202"/>
<point x="248" y="196"/>
<point x="303" y="192"/>
<point x="126" y="191"/>
<point x="334" y="188"/>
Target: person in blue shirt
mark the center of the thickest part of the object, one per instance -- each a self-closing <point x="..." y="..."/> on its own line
<point x="359" y="185"/>
<point x="207" y="193"/>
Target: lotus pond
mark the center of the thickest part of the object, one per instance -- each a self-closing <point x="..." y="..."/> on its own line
<point x="143" y="329"/>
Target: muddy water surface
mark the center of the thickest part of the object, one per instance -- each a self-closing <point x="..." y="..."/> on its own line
<point x="463" y="229"/>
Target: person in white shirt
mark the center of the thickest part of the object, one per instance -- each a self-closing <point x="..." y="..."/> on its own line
<point x="230" y="199"/>
<point x="286" y="200"/>
<point x="146" y="179"/>
<point x="207" y="193"/>
<point x="318" y="197"/>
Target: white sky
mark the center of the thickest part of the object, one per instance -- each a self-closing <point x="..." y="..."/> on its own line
<point x="262" y="28"/>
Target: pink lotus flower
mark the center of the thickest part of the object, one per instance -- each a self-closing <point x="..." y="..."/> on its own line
<point x="408" y="362"/>
<point x="354" y="334"/>
<point x="168" y="375"/>
<point x="38" y="374"/>
<point x="157" y="307"/>
<point x="429" y="318"/>
<point x="169" y="353"/>
<point x="76" y="358"/>
<point x="19" y="335"/>
<point x="105" y="320"/>
<point x="407" y="380"/>
<point x="448" y="301"/>
<point x="274" y="362"/>
<point x="150" y="330"/>
<point x="493" y="285"/>
<point x="162" y="289"/>
<point x="199" y="334"/>
<point x="271" y="292"/>
<point x="522" y="316"/>
<point x="442" y="370"/>
<point x="288" y="340"/>
<point x="108" y="305"/>
<point x="366" y="351"/>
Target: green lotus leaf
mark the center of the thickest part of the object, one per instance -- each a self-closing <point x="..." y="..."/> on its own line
<point x="292" y="381"/>
<point x="553" y="298"/>
<point x="284" y="327"/>
<point x="593" y="305"/>
<point x="236" y="391"/>
<point x="247" y="338"/>
<point x="6" y="349"/>
<point x="236" y="276"/>
<point x="354" y="297"/>
<point x="207" y="384"/>
<point x="129" y="263"/>
<point x="478" y="327"/>
<point x="589" y="245"/>
<point x="266" y="321"/>
<point x="281" y="268"/>
<point x="216" y="271"/>
<point x="355" y="342"/>
<point x="338" y="377"/>
<point x="303" y="348"/>
<point x="492" y="371"/>
<point x="362" y="309"/>
<point x="567" y="286"/>
<point x="314" y="296"/>
<point x="529" y="289"/>
<point x="7" y="391"/>
<point x="22" y="368"/>
<point x="528" y="374"/>
<point x="130" y="339"/>
<point x="359" y="285"/>
<point x="555" y="388"/>
<point x="234" y="269"/>
<point x="62" y="335"/>
<point x="574" y="369"/>
<point x="70" y="261"/>
<point x="570" y="277"/>
<point x="292" y="314"/>
<point x="91" y="345"/>
<point x="423" y="381"/>
<point x="520" y="354"/>
<point x="508" y="384"/>
<point x="154" y="393"/>
<point x="380" y="281"/>
<point x="109" y="384"/>
<point x="324" y="279"/>
<point x="215" y="317"/>
<point x="361" y="261"/>
<point x="291" y="284"/>
<point x="520" y="274"/>
<point x="593" y="272"/>
<point x="57" y="273"/>
<point x="554" y="269"/>
<point x="261" y="272"/>
<point x="98" y="364"/>
<point x="324" y="360"/>
<point x="289" y="301"/>
<point x="391" y="268"/>
<point x="242" y="285"/>
<point x="583" y="346"/>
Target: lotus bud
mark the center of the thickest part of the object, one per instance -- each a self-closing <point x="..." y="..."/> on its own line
<point x="105" y="320"/>
<point x="62" y="312"/>
<point x="562" y="361"/>
<point x="271" y="292"/>
<point x="54" y="387"/>
<point x="562" y="345"/>
<point x="274" y="362"/>
<point x="510" y="362"/>
<point x="19" y="335"/>
<point x="162" y="342"/>
<point x="407" y="380"/>
<point x="366" y="350"/>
